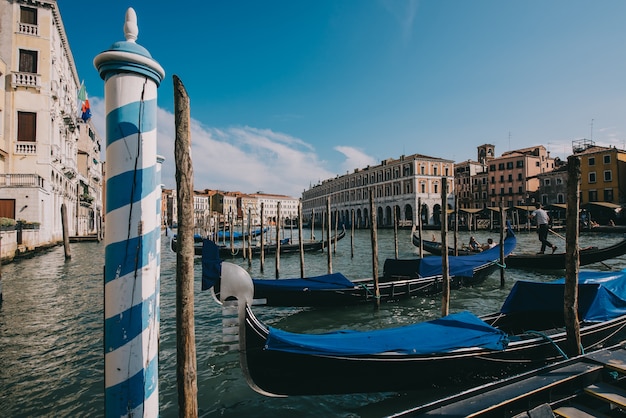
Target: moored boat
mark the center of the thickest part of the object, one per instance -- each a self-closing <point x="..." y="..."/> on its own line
<point x="401" y="279"/>
<point x="556" y="261"/>
<point x="286" y="246"/>
<point x="527" y="332"/>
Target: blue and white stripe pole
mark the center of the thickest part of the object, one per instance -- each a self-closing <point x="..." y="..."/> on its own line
<point x="132" y="227"/>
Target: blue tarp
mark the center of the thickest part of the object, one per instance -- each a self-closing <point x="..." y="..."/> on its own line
<point x="601" y="296"/>
<point x="465" y="265"/>
<point x="446" y="334"/>
<point x="326" y="281"/>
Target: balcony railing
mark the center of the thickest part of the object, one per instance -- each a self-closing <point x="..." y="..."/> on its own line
<point x="21" y="180"/>
<point x="26" y="148"/>
<point x="28" y="29"/>
<point x="26" y="80"/>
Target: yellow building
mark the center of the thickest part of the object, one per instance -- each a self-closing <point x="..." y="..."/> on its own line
<point x="603" y="174"/>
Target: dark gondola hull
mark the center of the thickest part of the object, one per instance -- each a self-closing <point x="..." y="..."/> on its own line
<point x="400" y="280"/>
<point x="539" y="261"/>
<point x="281" y="373"/>
<point x="238" y="251"/>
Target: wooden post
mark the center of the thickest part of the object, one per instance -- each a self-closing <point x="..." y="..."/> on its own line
<point x="456" y="225"/>
<point x="262" y="237"/>
<point x="312" y="224"/>
<point x="419" y="226"/>
<point x="502" y="222"/>
<point x="300" y="240"/>
<point x="231" y="231"/>
<point x="329" y="256"/>
<point x="249" y="237"/>
<point x="186" y="372"/>
<point x="352" y="233"/>
<point x="66" y="235"/>
<point x="572" y="262"/>
<point x="277" y="239"/>
<point x="445" y="298"/>
<point x="336" y="226"/>
<point x="395" y="231"/>
<point x="324" y="226"/>
<point x="374" y="236"/>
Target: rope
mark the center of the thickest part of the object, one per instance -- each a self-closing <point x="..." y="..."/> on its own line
<point x="551" y="341"/>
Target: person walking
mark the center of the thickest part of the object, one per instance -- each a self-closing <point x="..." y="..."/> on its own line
<point x="542" y="218"/>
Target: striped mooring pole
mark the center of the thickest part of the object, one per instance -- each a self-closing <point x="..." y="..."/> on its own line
<point x="132" y="228"/>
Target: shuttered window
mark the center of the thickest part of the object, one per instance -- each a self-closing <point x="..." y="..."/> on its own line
<point x="28" y="15"/>
<point x="26" y="126"/>
<point x="28" y="61"/>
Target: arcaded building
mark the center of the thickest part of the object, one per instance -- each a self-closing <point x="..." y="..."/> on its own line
<point x="398" y="185"/>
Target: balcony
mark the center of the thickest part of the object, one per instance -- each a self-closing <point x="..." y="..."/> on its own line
<point x="26" y="80"/>
<point x="25" y="148"/>
<point x="21" y="180"/>
<point x="28" y="29"/>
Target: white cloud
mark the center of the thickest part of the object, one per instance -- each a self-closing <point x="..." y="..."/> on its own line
<point x="355" y="158"/>
<point x="239" y="158"/>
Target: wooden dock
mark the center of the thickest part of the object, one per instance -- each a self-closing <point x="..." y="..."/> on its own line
<point x="591" y="385"/>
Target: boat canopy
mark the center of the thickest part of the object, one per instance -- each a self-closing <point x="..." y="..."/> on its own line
<point x="452" y="332"/>
<point x="465" y="265"/>
<point x="601" y="296"/>
<point x="323" y="282"/>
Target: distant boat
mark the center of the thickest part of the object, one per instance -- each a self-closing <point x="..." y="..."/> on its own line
<point x="401" y="279"/>
<point x="547" y="261"/>
<point x="237" y="235"/>
<point x="528" y="332"/>
<point x="286" y="246"/>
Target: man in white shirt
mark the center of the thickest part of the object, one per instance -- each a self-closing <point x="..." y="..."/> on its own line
<point x="542" y="218"/>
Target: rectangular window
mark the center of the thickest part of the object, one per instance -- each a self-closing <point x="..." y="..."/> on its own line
<point x="592" y="161"/>
<point x="608" y="195"/>
<point x="501" y="166"/>
<point x="608" y="175"/>
<point x="593" y="195"/>
<point x="607" y="159"/>
<point x="509" y="165"/>
<point x="520" y="163"/>
<point x="28" y="61"/>
<point x="26" y="126"/>
<point x="592" y="177"/>
<point x="546" y="182"/>
<point x="492" y="167"/>
<point x="28" y="15"/>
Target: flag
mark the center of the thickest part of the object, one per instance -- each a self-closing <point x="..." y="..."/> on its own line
<point x="86" y="111"/>
<point x="82" y="93"/>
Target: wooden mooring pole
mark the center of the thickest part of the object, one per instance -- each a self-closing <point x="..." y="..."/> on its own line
<point x="186" y="373"/>
<point x="300" y="240"/>
<point x="277" y="240"/>
<point x="66" y="235"/>
<point x="374" y="236"/>
<point x="329" y="256"/>
<point x="502" y="226"/>
<point x="572" y="261"/>
<point x="445" y="298"/>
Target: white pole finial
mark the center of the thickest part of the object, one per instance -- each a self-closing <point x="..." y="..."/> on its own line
<point x="131" y="30"/>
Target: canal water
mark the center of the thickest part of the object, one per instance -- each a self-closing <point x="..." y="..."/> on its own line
<point x="51" y="321"/>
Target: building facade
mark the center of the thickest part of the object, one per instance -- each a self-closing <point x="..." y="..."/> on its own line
<point x="603" y="173"/>
<point x="42" y="138"/>
<point x="398" y="186"/>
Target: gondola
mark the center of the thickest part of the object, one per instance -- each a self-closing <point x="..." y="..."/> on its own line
<point x="240" y="235"/>
<point x="401" y="279"/>
<point x="286" y="246"/>
<point x="556" y="261"/>
<point x="527" y="333"/>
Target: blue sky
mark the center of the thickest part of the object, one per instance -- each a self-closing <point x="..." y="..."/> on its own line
<point x="287" y="93"/>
